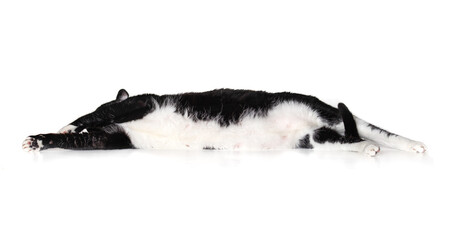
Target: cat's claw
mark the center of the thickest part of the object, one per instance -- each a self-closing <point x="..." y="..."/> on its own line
<point x="32" y="144"/>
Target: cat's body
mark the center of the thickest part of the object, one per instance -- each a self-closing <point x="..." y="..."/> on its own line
<point x="221" y="119"/>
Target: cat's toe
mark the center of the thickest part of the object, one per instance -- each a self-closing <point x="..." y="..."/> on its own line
<point x="371" y="150"/>
<point x="32" y="144"/>
<point x="419" y="148"/>
<point x="26" y="145"/>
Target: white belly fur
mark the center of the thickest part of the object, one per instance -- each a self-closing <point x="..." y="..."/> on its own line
<point x="282" y="128"/>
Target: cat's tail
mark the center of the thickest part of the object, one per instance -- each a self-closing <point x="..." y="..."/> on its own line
<point x="351" y="132"/>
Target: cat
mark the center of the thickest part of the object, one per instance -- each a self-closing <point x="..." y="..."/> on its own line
<point x="221" y="119"/>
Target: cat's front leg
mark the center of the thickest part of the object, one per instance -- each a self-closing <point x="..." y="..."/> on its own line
<point x="88" y="121"/>
<point x="75" y="141"/>
<point x="81" y="124"/>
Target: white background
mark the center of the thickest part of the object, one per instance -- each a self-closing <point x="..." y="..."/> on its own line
<point x="387" y="60"/>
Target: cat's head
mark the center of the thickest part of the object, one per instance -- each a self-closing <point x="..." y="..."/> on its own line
<point x="121" y="96"/>
<point x="75" y="126"/>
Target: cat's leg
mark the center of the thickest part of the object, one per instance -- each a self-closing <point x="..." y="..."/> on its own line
<point x="122" y="109"/>
<point x="76" y="141"/>
<point x="388" y="139"/>
<point x="367" y="147"/>
<point x="118" y="112"/>
<point x="328" y="139"/>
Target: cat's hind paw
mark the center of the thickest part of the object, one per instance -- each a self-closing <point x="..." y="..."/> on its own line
<point x="371" y="150"/>
<point x="31" y="143"/>
<point x="419" y="148"/>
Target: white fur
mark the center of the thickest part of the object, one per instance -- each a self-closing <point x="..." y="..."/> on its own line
<point x="27" y="145"/>
<point x="282" y="128"/>
<point x="71" y="129"/>
<point x="393" y="141"/>
<point x="67" y="129"/>
<point x="368" y="147"/>
<point x="84" y="131"/>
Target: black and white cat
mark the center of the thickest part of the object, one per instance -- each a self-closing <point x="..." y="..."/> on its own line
<point x="221" y="119"/>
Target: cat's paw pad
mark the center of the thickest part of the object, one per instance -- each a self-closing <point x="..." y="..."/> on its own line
<point x="68" y="129"/>
<point x="371" y="150"/>
<point x="419" y="148"/>
<point x="32" y="143"/>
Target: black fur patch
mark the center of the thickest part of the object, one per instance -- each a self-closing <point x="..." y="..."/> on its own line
<point x="373" y="127"/>
<point x="85" y="141"/>
<point x="305" y="142"/>
<point x="325" y="134"/>
<point x="229" y="105"/>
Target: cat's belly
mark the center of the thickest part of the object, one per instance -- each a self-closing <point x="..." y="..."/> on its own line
<point x="281" y="128"/>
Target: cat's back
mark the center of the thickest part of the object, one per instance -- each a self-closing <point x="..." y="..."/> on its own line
<point x="228" y="105"/>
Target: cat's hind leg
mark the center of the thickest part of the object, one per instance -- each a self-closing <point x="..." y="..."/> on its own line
<point x="388" y="139"/>
<point x="328" y="139"/>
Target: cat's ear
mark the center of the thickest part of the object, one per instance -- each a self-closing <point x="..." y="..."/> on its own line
<point x="122" y="95"/>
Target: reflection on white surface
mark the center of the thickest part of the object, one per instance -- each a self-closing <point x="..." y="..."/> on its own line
<point x="136" y="194"/>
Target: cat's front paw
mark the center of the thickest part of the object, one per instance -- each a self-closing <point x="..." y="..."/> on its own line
<point x="32" y="143"/>
<point x="68" y="129"/>
<point x="72" y="129"/>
